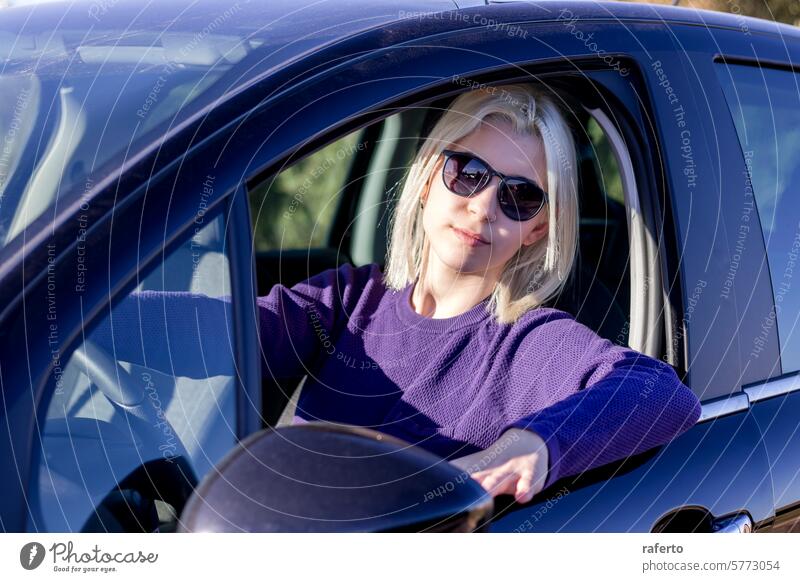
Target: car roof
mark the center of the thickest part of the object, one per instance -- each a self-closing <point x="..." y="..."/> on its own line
<point x="287" y="31"/>
<point x="295" y="27"/>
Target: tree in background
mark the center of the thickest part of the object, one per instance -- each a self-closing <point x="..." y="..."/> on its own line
<point x="787" y="11"/>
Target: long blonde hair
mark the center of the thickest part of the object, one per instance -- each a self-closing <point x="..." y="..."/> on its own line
<point x="537" y="272"/>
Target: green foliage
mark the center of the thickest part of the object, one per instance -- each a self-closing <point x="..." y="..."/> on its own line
<point x="295" y="208"/>
<point x="608" y="167"/>
<point x="786" y="11"/>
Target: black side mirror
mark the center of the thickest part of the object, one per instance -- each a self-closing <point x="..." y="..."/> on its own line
<point x="320" y="477"/>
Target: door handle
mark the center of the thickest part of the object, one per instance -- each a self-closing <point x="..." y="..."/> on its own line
<point x="739" y="523"/>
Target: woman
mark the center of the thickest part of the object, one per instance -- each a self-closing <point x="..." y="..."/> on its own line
<point x="450" y="348"/>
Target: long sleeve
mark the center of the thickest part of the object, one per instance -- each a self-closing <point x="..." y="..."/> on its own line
<point x="186" y="334"/>
<point x="174" y="332"/>
<point x="301" y="324"/>
<point x="611" y="402"/>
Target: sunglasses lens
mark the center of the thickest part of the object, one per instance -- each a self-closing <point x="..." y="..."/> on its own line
<point x="463" y="174"/>
<point x="521" y="200"/>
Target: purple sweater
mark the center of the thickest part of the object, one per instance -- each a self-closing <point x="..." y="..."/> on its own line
<point x="451" y="386"/>
<point x="454" y="385"/>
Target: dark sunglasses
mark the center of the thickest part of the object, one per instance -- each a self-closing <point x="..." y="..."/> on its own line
<point x="465" y="174"/>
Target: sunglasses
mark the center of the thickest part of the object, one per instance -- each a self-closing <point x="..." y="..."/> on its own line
<point x="465" y="174"/>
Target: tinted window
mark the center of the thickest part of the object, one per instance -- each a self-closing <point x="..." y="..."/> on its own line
<point x="765" y="104"/>
<point x="103" y="466"/>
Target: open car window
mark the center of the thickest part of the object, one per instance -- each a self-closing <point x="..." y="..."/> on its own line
<point x="334" y="206"/>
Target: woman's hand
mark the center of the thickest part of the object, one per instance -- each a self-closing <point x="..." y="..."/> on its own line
<point x="516" y="464"/>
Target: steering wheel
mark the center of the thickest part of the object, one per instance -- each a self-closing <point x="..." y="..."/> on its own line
<point x="132" y="506"/>
<point x="129" y="397"/>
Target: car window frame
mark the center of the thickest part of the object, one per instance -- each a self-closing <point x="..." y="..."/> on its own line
<point x="705" y="219"/>
<point x="638" y="185"/>
<point x="782" y="383"/>
<point x="723" y="60"/>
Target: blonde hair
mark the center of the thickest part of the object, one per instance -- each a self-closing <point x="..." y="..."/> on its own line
<point x="537" y="272"/>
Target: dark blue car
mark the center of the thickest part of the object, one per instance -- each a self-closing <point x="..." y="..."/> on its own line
<point x="221" y="148"/>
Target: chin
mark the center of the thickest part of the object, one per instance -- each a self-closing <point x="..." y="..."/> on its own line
<point x="463" y="262"/>
<point x="467" y="268"/>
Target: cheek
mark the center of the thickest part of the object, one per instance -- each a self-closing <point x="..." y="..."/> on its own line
<point x="508" y="245"/>
<point x="511" y="233"/>
<point x="440" y="204"/>
<point x="510" y="236"/>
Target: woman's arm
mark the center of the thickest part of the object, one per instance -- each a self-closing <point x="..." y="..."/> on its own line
<point x="186" y="334"/>
<point x="639" y="404"/>
<point x="299" y="325"/>
<point x="587" y="401"/>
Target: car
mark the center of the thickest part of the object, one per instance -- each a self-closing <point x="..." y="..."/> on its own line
<point x="222" y="148"/>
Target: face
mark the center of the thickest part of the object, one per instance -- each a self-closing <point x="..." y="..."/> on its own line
<point x="447" y="217"/>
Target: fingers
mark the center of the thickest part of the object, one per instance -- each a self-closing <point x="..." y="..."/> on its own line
<point x="524" y="489"/>
<point x="508" y="479"/>
<point x="498" y="482"/>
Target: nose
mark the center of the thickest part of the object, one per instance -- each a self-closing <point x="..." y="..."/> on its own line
<point x="483" y="204"/>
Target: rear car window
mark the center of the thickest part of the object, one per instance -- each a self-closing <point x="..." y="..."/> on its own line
<point x="765" y="105"/>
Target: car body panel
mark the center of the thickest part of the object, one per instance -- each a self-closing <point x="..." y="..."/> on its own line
<point x="713" y="466"/>
<point x="777" y="419"/>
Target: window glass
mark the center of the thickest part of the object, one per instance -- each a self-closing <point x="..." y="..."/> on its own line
<point x="295" y="209"/>
<point x="76" y="99"/>
<point x="765" y="105"/>
<point x="121" y="429"/>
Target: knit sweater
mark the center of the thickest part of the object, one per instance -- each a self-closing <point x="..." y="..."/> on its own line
<point x="451" y="386"/>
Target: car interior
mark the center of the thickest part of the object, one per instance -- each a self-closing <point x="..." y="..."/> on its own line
<point x="349" y="223"/>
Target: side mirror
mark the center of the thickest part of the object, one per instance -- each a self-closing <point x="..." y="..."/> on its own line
<point x="320" y="477"/>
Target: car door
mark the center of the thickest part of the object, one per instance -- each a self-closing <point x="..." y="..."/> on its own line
<point x="717" y="472"/>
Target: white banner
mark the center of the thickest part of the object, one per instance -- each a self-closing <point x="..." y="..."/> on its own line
<point x="402" y="557"/>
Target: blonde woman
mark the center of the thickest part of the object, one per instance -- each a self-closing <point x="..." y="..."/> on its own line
<point x="450" y="348"/>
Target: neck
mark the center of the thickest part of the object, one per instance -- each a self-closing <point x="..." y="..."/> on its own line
<point x="441" y="292"/>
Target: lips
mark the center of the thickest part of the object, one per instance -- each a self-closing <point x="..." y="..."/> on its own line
<point x="470" y="237"/>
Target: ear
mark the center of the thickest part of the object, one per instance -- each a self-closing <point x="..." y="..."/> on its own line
<point x="537" y="233"/>
<point x="427" y="189"/>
